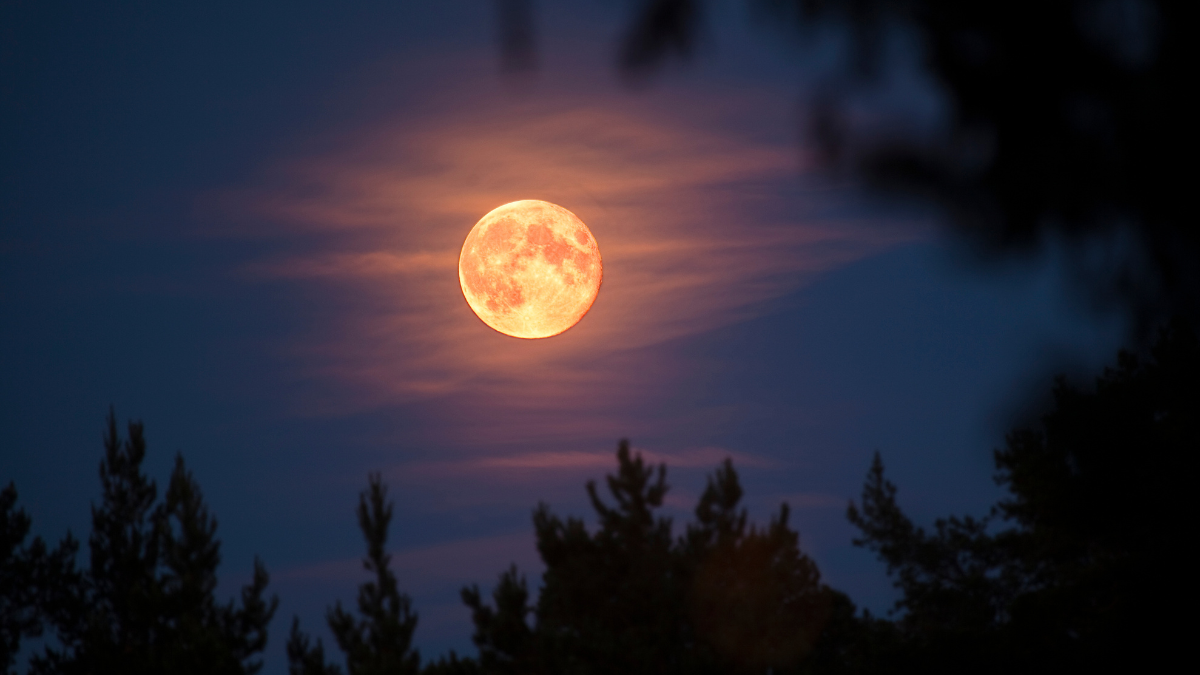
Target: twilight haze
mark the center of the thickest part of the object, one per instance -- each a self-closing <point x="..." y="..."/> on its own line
<point x="242" y="226"/>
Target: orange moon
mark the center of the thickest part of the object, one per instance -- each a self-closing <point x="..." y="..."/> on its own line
<point x="530" y="269"/>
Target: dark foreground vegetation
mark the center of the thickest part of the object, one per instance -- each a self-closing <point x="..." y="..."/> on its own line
<point x="1078" y="567"/>
<point x="144" y="601"/>
<point x="1065" y="122"/>
<point x="1068" y="122"/>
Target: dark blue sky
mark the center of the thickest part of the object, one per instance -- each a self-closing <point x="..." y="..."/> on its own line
<point x="240" y="225"/>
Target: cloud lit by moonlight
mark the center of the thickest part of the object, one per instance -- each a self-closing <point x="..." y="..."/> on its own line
<point x="702" y="228"/>
<point x="530" y="269"/>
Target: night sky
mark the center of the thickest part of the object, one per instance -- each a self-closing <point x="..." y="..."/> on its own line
<point x="240" y="223"/>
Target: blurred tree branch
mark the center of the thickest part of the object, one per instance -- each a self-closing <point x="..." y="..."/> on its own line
<point x="1069" y="122"/>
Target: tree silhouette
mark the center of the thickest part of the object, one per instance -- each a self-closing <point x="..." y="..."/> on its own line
<point x="306" y="657"/>
<point x="1067" y="123"/>
<point x="725" y="597"/>
<point x="1067" y="120"/>
<point x="379" y="642"/>
<point x="146" y="604"/>
<point x="31" y="577"/>
<point x="1079" y="566"/>
<point x="612" y="602"/>
<point x="956" y="582"/>
<point x="18" y="601"/>
<point x="507" y="645"/>
<point x="755" y="597"/>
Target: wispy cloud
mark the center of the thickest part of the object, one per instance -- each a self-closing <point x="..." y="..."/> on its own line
<point x="691" y="458"/>
<point x="689" y="221"/>
<point x="523" y="466"/>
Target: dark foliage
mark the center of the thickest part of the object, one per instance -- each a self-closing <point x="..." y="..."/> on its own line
<point x="506" y="642"/>
<point x="30" y="577"/>
<point x="1078" y="568"/>
<point x="612" y="602"/>
<point x="18" y="600"/>
<point x="305" y="657"/>
<point x="379" y="640"/>
<point x="630" y="597"/>
<point x="452" y="665"/>
<point x="1069" y="120"/>
<point x="755" y="599"/>
<point x="146" y="603"/>
<point x="518" y="39"/>
<point x="662" y="28"/>
<point x="1084" y="562"/>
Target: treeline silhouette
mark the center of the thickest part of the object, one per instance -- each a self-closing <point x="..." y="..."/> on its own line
<point x="1081" y="566"/>
<point x="145" y="601"/>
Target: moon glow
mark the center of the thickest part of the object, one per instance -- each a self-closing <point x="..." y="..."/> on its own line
<point x="530" y="269"/>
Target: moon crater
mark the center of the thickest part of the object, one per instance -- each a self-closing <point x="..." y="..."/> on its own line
<point x="530" y="269"/>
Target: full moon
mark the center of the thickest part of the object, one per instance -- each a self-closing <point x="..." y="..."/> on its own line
<point x="530" y="269"/>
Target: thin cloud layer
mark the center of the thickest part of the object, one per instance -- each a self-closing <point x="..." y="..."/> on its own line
<point x="525" y="466"/>
<point x="687" y="216"/>
<point x="518" y="480"/>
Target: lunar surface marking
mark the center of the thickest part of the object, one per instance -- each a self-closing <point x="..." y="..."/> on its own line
<point x="530" y="269"/>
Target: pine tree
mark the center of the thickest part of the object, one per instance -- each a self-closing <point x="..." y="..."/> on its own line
<point x="146" y="604"/>
<point x="31" y="577"/>
<point x="507" y="645"/>
<point x="306" y="657"/>
<point x="1079" y="567"/>
<point x="612" y="602"/>
<point x="18" y="602"/>
<point x="379" y="642"/>
<point x="724" y="597"/>
<point x="202" y="636"/>
<point x="755" y="600"/>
